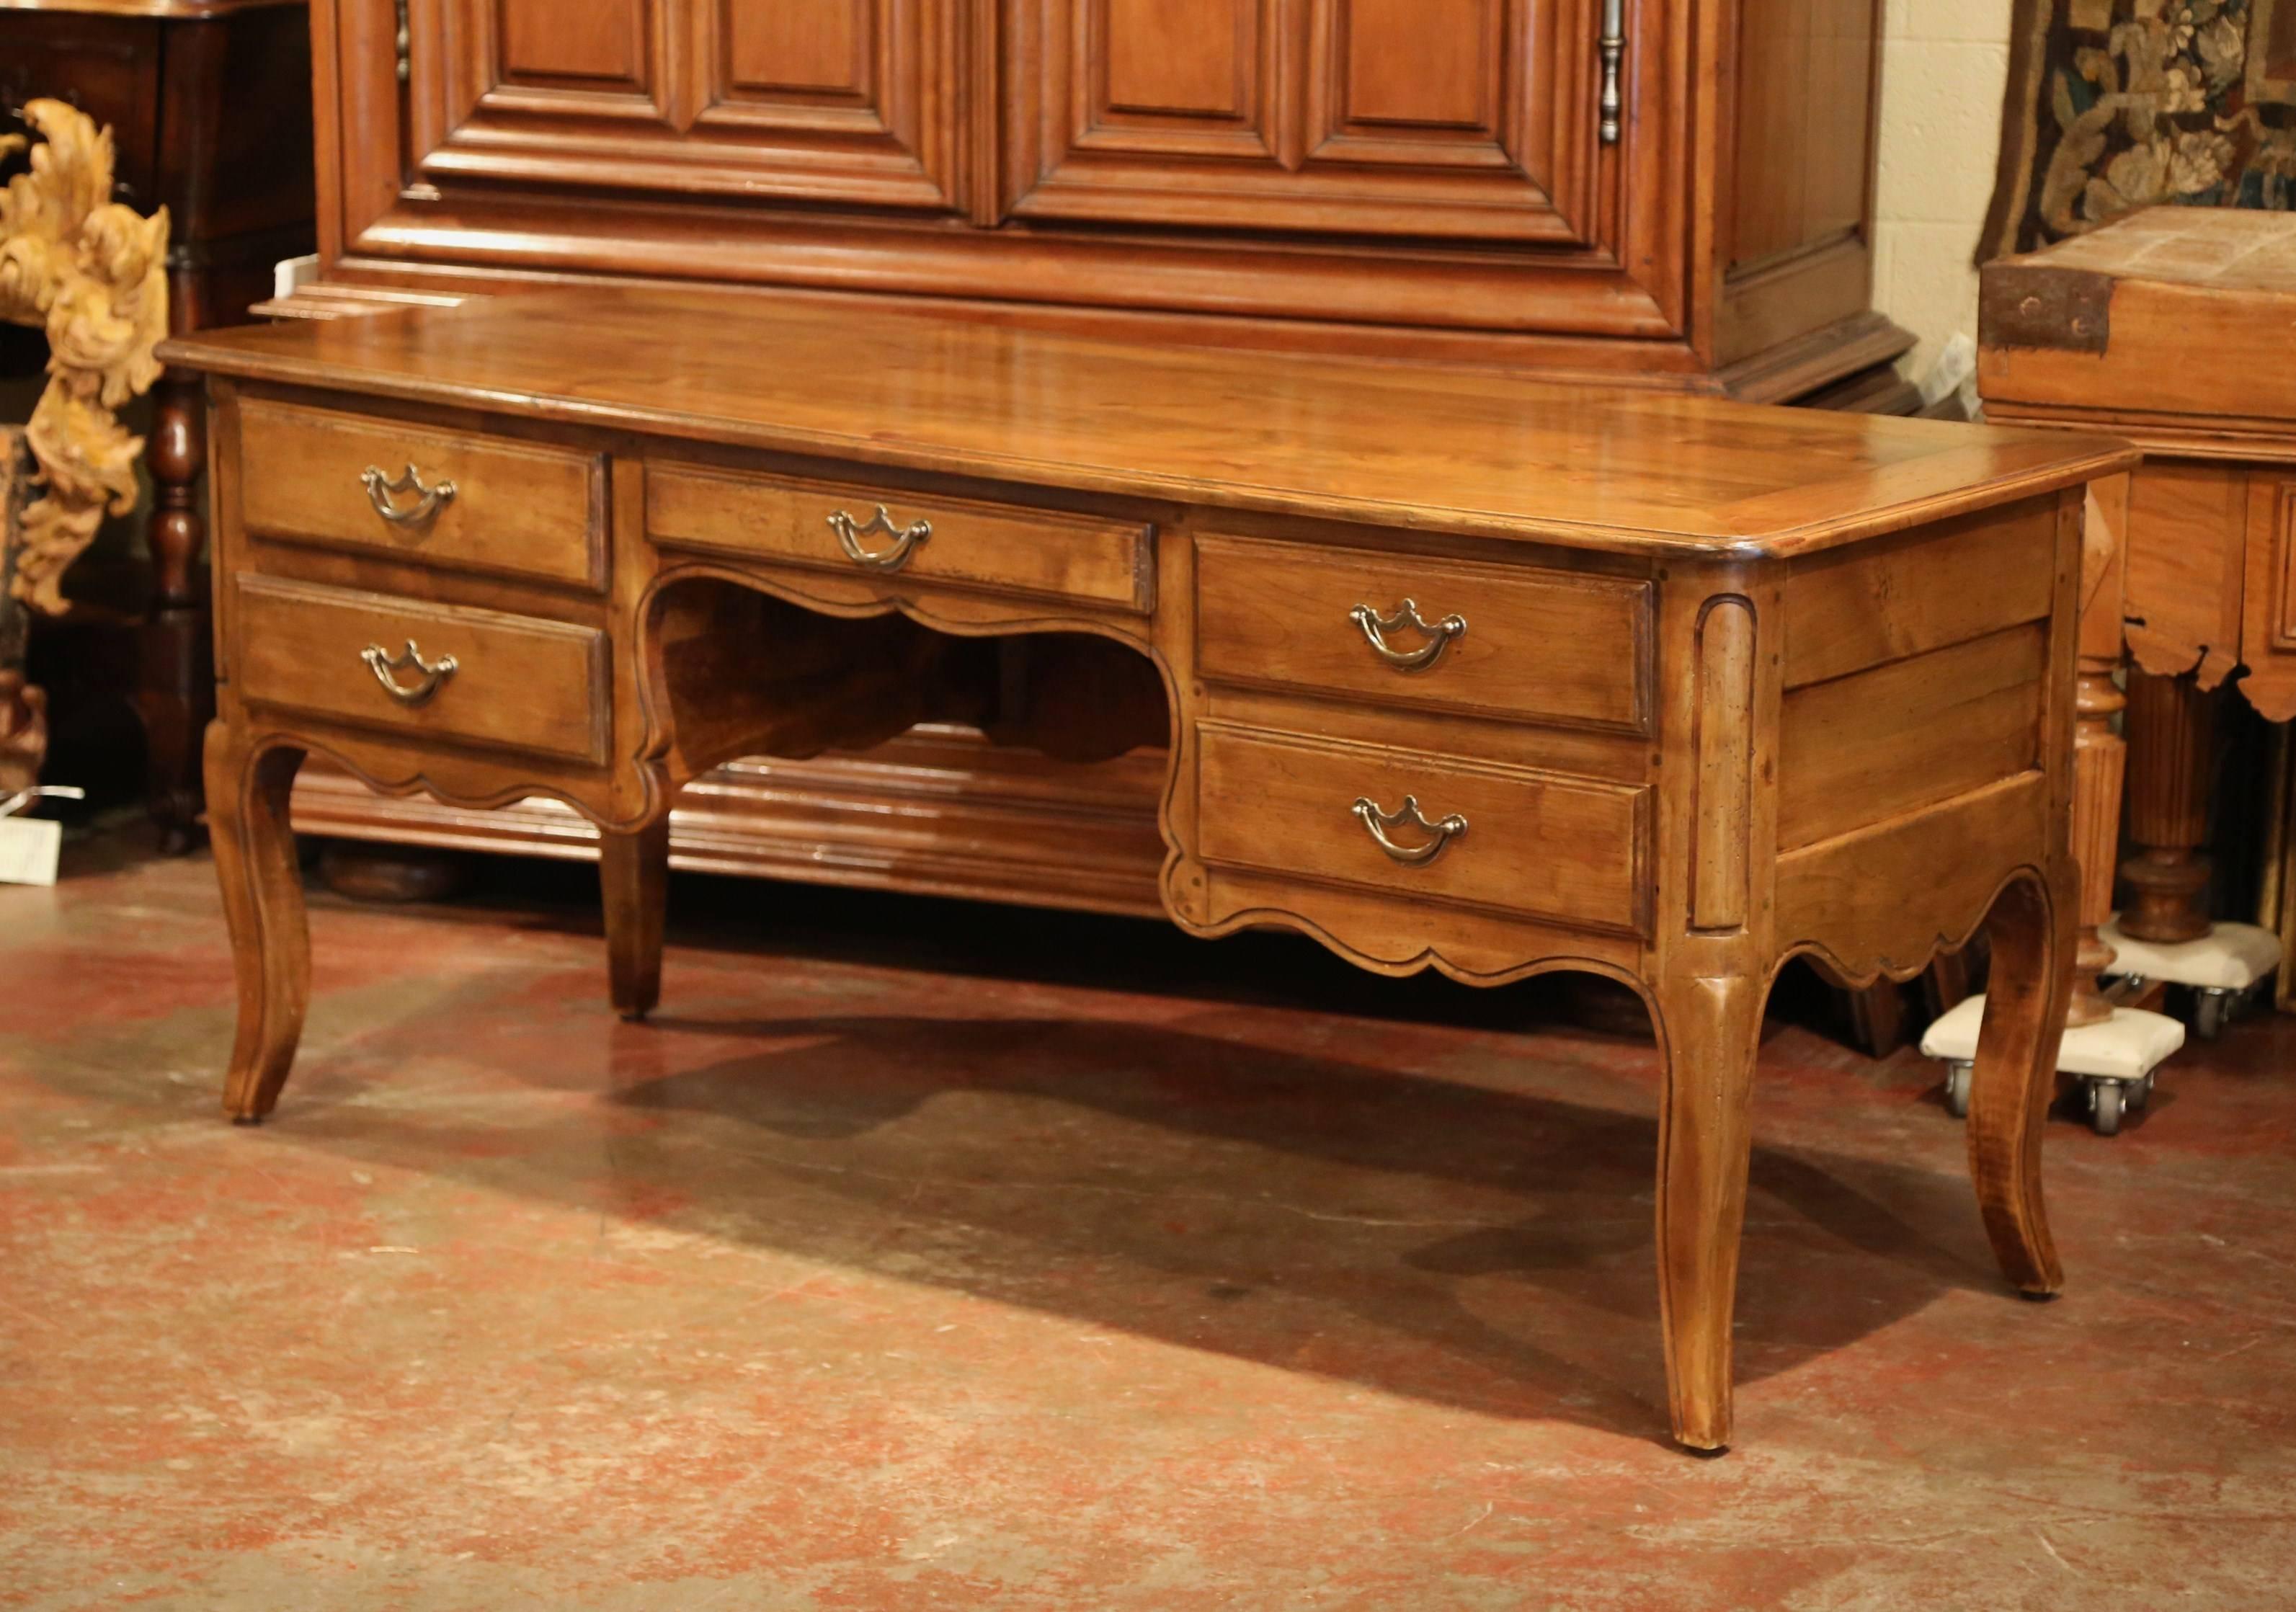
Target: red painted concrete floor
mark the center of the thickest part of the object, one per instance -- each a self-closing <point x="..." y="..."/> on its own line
<point x="924" y="1256"/>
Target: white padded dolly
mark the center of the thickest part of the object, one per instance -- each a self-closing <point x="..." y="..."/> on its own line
<point x="2222" y="967"/>
<point x="2114" y="1058"/>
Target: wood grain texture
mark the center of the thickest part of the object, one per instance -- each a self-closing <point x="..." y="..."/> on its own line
<point x="1359" y="117"/>
<point x="2100" y="754"/>
<point x="1005" y="548"/>
<point x="2173" y="284"/>
<point x="2172" y="723"/>
<point x="1725" y="800"/>
<point x="633" y="881"/>
<point x="1618" y="792"/>
<point x="1220" y="163"/>
<point x="2268" y="631"/>
<point x="851" y="103"/>
<point x="2015" y="1079"/>
<point x="2152" y="327"/>
<point x="1884" y="601"/>
<point x="2186" y="541"/>
<point x="1897" y="737"/>
<point x="1804" y="128"/>
<point x="1709" y="1027"/>
<point x="1539" y="844"/>
<point x="518" y="682"/>
<point x="517" y="509"/>
<point x="1448" y="451"/>
<point x="1566" y="648"/>
<point x="247" y="789"/>
<point x="172" y="10"/>
<point x="1887" y="898"/>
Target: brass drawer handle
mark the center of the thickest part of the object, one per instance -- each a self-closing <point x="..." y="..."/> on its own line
<point x="1376" y="824"/>
<point x="384" y="494"/>
<point x="383" y="665"/>
<point x="1376" y="628"/>
<point x="904" y="539"/>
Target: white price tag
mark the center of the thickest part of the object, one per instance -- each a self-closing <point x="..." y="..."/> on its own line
<point x="30" y="847"/>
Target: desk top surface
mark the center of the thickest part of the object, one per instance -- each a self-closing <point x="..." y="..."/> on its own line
<point x="1417" y="447"/>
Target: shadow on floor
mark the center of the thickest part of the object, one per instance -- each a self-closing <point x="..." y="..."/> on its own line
<point x="1449" y="1238"/>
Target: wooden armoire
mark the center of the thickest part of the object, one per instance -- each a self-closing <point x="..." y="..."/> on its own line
<point x="1658" y="193"/>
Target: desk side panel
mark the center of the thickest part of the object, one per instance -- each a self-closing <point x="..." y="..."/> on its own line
<point x="1916" y="669"/>
<point x="1932" y="763"/>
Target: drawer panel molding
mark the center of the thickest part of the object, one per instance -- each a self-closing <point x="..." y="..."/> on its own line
<point x="1553" y="646"/>
<point x="425" y="671"/>
<point x="881" y="532"/>
<point x="1432" y="828"/>
<point x="455" y="500"/>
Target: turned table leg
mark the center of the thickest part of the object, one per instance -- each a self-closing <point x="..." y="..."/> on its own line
<point x="176" y="685"/>
<point x="2172" y="740"/>
<point x="247" y="792"/>
<point x="2015" y="1078"/>
<point x="634" y="877"/>
<point x="1709" y="1028"/>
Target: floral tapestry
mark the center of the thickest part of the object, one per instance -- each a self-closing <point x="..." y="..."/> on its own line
<point x="2115" y="105"/>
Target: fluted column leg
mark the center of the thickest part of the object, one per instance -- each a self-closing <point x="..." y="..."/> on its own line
<point x="2172" y="743"/>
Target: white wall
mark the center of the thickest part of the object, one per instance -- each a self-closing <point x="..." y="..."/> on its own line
<point x="1944" y="65"/>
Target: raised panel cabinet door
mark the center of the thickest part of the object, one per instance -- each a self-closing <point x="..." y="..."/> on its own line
<point x="1443" y="119"/>
<point x="857" y="102"/>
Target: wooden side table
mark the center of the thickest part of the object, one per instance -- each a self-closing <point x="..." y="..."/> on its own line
<point x="2170" y="328"/>
<point x="209" y="102"/>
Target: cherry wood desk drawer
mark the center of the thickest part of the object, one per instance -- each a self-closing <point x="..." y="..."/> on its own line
<point x="1504" y="838"/>
<point x="451" y="499"/>
<point x="1497" y="639"/>
<point x="480" y="676"/>
<point x="876" y="533"/>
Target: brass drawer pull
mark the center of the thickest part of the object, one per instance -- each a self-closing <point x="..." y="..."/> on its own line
<point x="1376" y="628"/>
<point x="384" y="494"/>
<point x="1376" y="824"/>
<point x="904" y="539"/>
<point x="383" y="665"/>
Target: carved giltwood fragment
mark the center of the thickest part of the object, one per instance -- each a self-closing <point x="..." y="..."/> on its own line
<point x="90" y="273"/>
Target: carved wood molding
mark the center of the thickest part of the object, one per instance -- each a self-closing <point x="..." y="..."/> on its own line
<point x="93" y="274"/>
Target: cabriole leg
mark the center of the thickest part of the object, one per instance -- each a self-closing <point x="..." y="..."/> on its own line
<point x="633" y="876"/>
<point x="1709" y="1028"/>
<point x="2016" y="1074"/>
<point x="263" y="903"/>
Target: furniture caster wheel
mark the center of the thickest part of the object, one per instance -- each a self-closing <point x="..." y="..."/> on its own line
<point x="1957" y="1088"/>
<point x="2212" y="1009"/>
<point x="2139" y="1092"/>
<point x="2105" y="1107"/>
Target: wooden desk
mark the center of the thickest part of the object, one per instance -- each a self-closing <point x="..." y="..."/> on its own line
<point x="2171" y="328"/>
<point x="1457" y="671"/>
